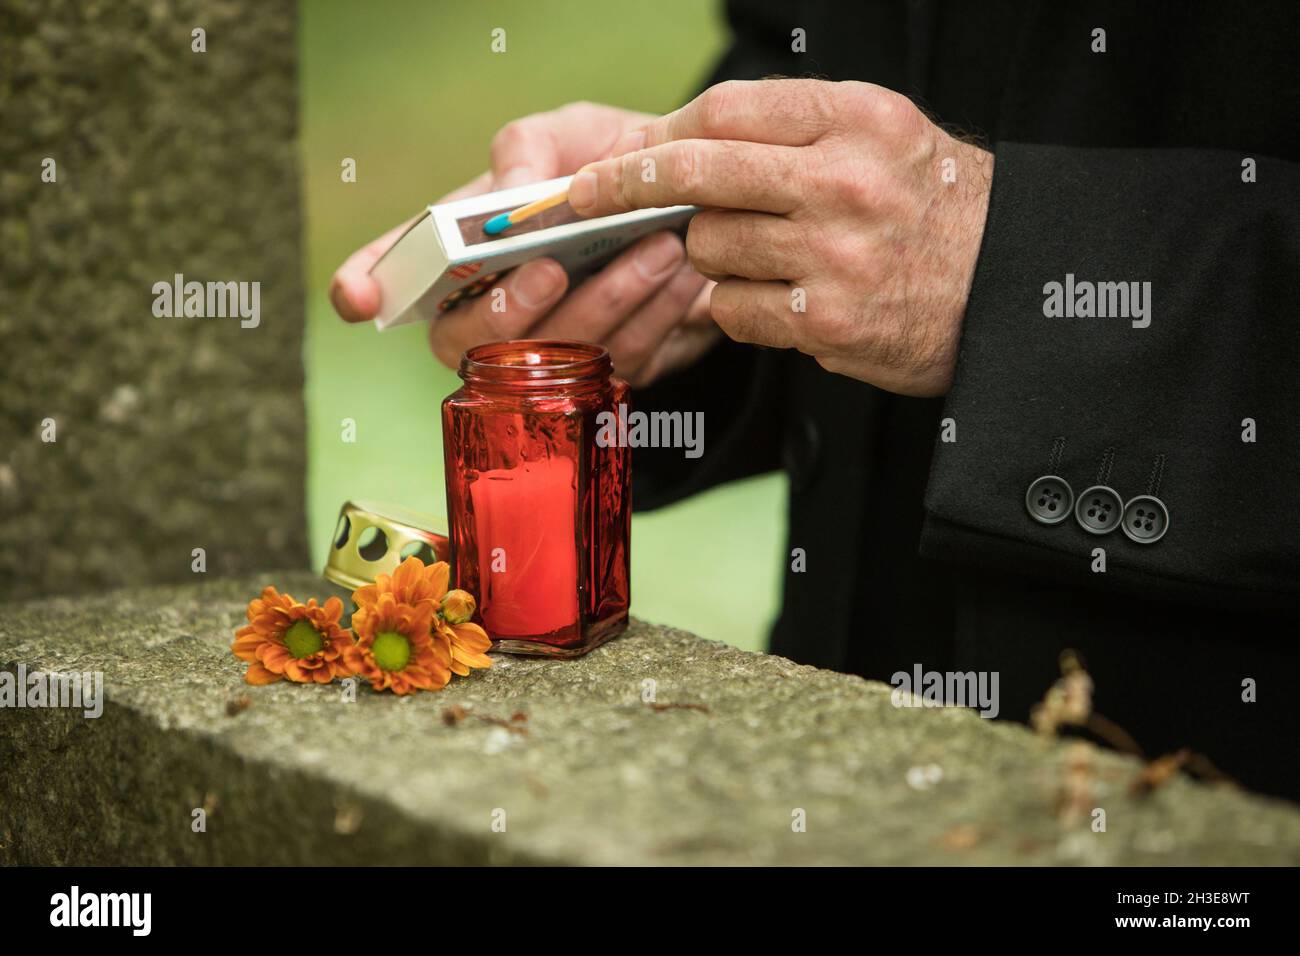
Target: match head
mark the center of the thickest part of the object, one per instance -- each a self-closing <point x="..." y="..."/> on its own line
<point x="497" y="224"/>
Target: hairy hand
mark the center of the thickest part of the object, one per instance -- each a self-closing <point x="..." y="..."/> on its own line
<point x="838" y="220"/>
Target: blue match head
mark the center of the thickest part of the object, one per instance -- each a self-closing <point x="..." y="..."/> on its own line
<point x="497" y="224"/>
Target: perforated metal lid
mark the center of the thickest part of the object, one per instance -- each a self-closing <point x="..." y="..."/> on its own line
<point x="372" y="539"/>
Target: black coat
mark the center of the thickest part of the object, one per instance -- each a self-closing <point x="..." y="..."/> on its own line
<point x="1124" y="166"/>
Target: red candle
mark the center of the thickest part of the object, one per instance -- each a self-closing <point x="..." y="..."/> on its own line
<point x="534" y="589"/>
<point x="539" y="511"/>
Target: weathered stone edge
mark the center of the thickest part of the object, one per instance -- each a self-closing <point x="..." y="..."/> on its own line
<point x="58" y="765"/>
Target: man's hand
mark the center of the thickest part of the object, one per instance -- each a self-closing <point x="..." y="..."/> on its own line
<point x="649" y="307"/>
<point x="840" y="221"/>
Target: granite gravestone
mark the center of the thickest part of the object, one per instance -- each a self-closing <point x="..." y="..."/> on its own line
<point x="147" y="147"/>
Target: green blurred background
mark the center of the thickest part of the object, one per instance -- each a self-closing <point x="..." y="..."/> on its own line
<point x="412" y="91"/>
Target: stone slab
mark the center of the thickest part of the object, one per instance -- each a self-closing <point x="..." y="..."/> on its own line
<point x="600" y="777"/>
<point x="170" y="433"/>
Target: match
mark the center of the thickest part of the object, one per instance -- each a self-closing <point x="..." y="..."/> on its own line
<point x="499" y="224"/>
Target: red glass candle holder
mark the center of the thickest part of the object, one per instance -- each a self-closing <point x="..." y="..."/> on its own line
<point x="539" y="510"/>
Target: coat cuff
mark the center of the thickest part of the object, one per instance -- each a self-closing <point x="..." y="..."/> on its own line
<point x="1145" y="404"/>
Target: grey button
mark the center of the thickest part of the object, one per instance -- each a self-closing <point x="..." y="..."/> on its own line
<point x="1049" y="499"/>
<point x="1098" y="509"/>
<point x="1146" y="519"/>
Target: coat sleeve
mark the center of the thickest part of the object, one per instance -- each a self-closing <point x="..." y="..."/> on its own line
<point x="732" y="392"/>
<point x="1190" y="394"/>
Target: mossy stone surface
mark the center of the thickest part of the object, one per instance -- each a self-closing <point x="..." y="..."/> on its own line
<point x="733" y="750"/>
<point x="171" y="434"/>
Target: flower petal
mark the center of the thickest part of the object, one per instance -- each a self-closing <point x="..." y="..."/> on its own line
<point x="332" y="610"/>
<point x="257" y="674"/>
<point x="461" y="656"/>
<point x="274" y="656"/>
<point x="365" y="596"/>
<point x="437" y="577"/>
<point x="407" y="576"/>
<point x="294" y="671"/>
<point x="471" y="637"/>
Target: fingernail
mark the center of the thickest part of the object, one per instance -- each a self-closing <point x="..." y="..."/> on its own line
<point x="516" y="176"/>
<point x="657" y="256"/>
<point x="629" y="141"/>
<point x="533" y="284"/>
<point x="582" y="191"/>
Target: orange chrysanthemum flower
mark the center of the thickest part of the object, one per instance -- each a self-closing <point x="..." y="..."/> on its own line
<point x="397" y="648"/>
<point x="285" y="638"/>
<point x="415" y="583"/>
<point x="469" y="642"/>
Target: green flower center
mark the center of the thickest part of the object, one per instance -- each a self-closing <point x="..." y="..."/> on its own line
<point x="391" y="650"/>
<point x="303" y="640"/>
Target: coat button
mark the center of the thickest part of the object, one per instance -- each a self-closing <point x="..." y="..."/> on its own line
<point x="801" y="453"/>
<point x="1049" y="499"/>
<point x="1098" y="509"/>
<point x="1146" y="519"/>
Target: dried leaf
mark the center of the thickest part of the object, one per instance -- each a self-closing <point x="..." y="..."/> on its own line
<point x="1067" y="702"/>
<point x="962" y="838"/>
<point x="1157" y="773"/>
<point x="514" y="728"/>
<point x="453" y="715"/>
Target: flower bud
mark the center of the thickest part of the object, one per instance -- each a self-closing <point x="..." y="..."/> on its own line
<point x="458" y="606"/>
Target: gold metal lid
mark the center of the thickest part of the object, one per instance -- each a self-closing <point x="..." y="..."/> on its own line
<point x="373" y="539"/>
